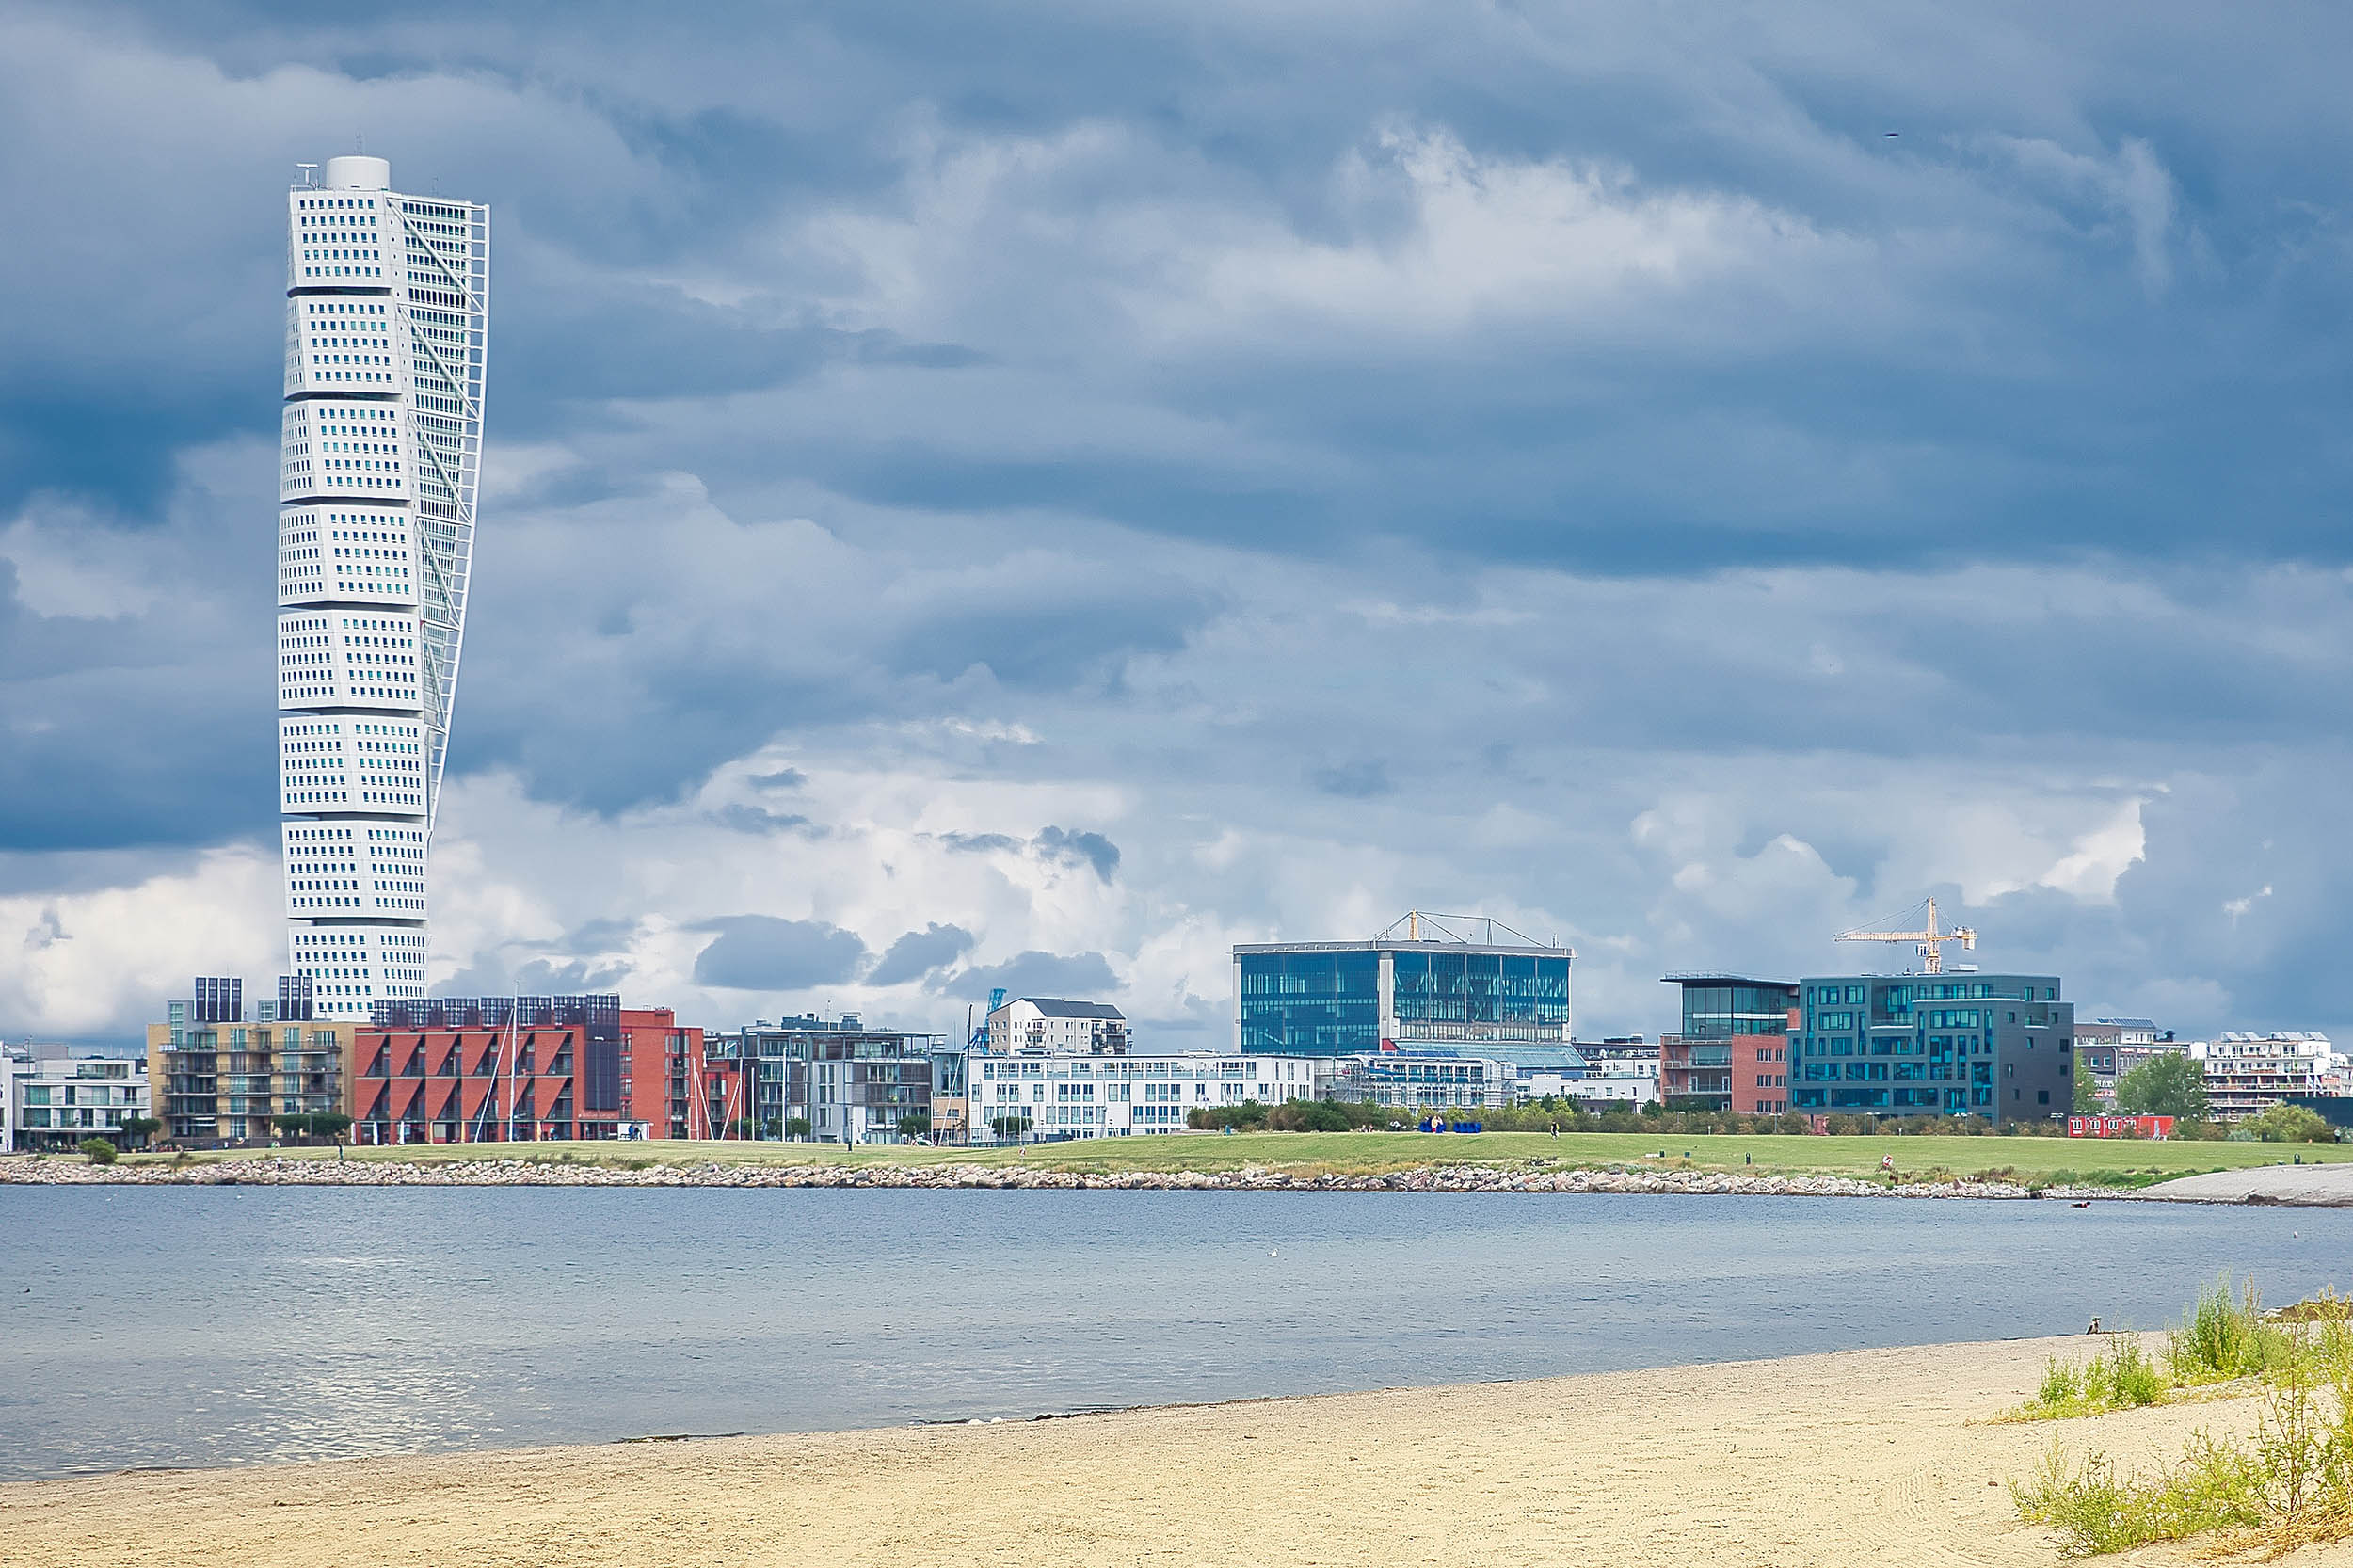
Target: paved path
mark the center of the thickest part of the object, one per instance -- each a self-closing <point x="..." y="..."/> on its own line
<point x="2325" y="1185"/>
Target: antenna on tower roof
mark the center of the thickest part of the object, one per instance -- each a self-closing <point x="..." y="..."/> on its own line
<point x="308" y="174"/>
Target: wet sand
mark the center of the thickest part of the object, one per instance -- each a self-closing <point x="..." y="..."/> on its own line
<point x="1867" y="1457"/>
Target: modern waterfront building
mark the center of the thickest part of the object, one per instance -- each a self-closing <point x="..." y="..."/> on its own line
<point x="220" y="1076"/>
<point x="1050" y="1023"/>
<point x="521" y="1069"/>
<point x="1961" y="1043"/>
<point x="2247" y="1074"/>
<point x="1042" y="1095"/>
<point x="842" y="1078"/>
<point x="1732" y="1051"/>
<point x="52" y="1096"/>
<point x="1427" y="980"/>
<point x="387" y="308"/>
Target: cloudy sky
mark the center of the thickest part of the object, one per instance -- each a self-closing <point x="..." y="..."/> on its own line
<point x="1034" y="494"/>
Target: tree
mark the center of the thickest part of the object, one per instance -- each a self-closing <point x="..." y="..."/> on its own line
<point x="2087" y="1098"/>
<point x="98" y="1151"/>
<point x="2171" y="1084"/>
<point x="796" y="1127"/>
<point x="1009" y="1126"/>
<point x="914" y="1124"/>
<point x="329" y="1124"/>
<point x="140" y="1127"/>
<point x="2290" y="1124"/>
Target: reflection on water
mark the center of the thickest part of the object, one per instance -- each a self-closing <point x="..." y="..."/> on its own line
<point x="229" y="1325"/>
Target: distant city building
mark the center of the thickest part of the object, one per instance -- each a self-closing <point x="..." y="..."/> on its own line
<point x="1962" y="1043"/>
<point x="2096" y="1044"/>
<point x="1035" y="1096"/>
<point x="1419" y="1081"/>
<point x="842" y="1078"/>
<point x="387" y="306"/>
<point x="1050" y="1023"/>
<point x="521" y="1069"/>
<point x="2247" y="1074"/>
<point x="1732" y="1051"/>
<point x="52" y="1096"/>
<point x="1426" y="980"/>
<point x="1620" y="1073"/>
<point x="222" y="1076"/>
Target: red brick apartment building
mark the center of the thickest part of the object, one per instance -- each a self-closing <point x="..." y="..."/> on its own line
<point x="521" y="1069"/>
<point x="1733" y="1053"/>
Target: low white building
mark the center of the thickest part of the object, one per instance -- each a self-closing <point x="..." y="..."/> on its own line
<point x="1412" y="1080"/>
<point x="1052" y="1024"/>
<point x="1030" y="1096"/>
<point x="52" y="1098"/>
<point x="2247" y="1074"/>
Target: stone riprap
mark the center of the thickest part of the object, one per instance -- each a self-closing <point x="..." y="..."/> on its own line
<point x="1434" y="1179"/>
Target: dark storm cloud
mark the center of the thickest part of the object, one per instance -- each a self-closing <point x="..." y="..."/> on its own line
<point x="1074" y="976"/>
<point x="919" y="953"/>
<point x="1663" y="421"/>
<point x="762" y="953"/>
<point x="1079" y="849"/>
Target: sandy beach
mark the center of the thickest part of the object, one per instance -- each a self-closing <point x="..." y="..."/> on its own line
<point x="1867" y="1457"/>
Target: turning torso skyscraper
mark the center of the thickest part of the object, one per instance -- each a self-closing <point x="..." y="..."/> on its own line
<point x="387" y="304"/>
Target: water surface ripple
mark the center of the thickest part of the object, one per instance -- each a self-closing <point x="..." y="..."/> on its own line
<point x="199" y="1326"/>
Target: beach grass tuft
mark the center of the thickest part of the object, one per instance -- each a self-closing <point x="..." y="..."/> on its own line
<point x="2289" y="1484"/>
<point x="2121" y="1377"/>
<point x="2225" y="1336"/>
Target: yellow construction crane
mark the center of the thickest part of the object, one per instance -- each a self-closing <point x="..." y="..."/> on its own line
<point x="1930" y="941"/>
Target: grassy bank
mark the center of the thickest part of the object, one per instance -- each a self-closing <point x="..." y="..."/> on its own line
<point x="2032" y="1161"/>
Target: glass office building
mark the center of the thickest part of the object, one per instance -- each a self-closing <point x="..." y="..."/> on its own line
<point x="1349" y="998"/>
<point x="2000" y="1047"/>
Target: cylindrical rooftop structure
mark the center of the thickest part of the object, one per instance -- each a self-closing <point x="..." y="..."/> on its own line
<point x="355" y="172"/>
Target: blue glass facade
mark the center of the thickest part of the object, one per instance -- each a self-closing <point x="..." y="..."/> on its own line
<point x="1993" y="1045"/>
<point x="1310" y="1004"/>
<point x="1483" y="996"/>
<point x="1346" y="1000"/>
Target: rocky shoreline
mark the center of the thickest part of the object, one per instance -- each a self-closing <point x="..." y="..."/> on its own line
<point x="1436" y="1179"/>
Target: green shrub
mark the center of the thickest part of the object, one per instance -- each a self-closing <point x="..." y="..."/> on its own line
<point x="2290" y="1124"/>
<point x="2225" y="1337"/>
<point x="98" y="1151"/>
<point x="2121" y="1377"/>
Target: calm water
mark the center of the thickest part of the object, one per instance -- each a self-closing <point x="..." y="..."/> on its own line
<point x="222" y="1325"/>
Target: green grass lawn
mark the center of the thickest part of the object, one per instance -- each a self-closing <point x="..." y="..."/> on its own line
<point x="1372" y="1153"/>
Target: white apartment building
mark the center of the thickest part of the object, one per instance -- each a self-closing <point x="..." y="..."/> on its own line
<point x="52" y="1098"/>
<point x="387" y="309"/>
<point x="1023" y="1097"/>
<point x="1051" y="1024"/>
<point x="2247" y="1074"/>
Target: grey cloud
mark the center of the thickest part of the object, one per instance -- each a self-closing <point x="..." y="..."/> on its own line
<point x="1078" y="848"/>
<point x="1083" y="976"/>
<point x="919" y="953"/>
<point x="979" y="843"/>
<point x="759" y="819"/>
<point x="1361" y="780"/>
<point x="762" y="953"/>
<point x="783" y="778"/>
